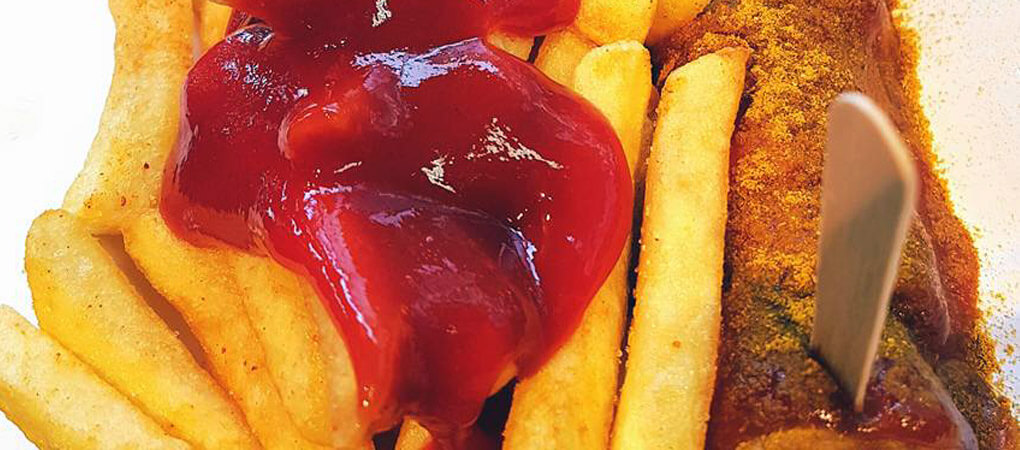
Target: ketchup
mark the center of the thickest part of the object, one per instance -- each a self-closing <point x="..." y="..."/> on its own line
<point x="455" y="209"/>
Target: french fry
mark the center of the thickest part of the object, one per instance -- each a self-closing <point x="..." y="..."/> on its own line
<point x="83" y="300"/>
<point x="608" y="21"/>
<point x="670" y="15"/>
<point x="279" y="315"/>
<point x="200" y="283"/>
<point x="304" y="352"/>
<point x="810" y="438"/>
<point x="114" y="246"/>
<point x="349" y="431"/>
<point x="617" y="79"/>
<point x="413" y="436"/>
<point x="519" y="46"/>
<point x="59" y="402"/>
<point x="674" y="337"/>
<point x="569" y="402"/>
<point x="560" y="53"/>
<point x="124" y="167"/>
<point x="211" y="20"/>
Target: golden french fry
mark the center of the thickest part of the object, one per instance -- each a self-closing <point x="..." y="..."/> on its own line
<point x="670" y="15"/>
<point x="211" y="20"/>
<point x="569" y="402"/>
<point x="519" y="46"/>
<point x="647" y="130"/>
<point x="674" y="337"/>
<point x="413" y="436"/>
<point x="304" y="352"/>
<point x="124" y="168"/>
<point x="83" y="300"/>
<point x="608" y="21"/>
<point x="200" y="283"/>
<point x="114" y="246"/>
<point x="560" y="53"/>
<point x="59" y="402"/>
<point x="280" y="316"/>
<point x="617" y="79"/>
<point x="349" y="432"/>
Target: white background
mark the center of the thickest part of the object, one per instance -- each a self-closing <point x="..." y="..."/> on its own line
<point x="58" y="59"/>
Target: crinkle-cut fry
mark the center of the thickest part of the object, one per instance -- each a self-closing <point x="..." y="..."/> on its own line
<point x="211" y="20"/>
<point x="304" y="352"/>
<point x="569" y="403"/>
<point x="519" y="46"/>
<point x="200" y="283"/>
<point x="671" y="15"/>
<point x="608" y="21"/>
<point x="560" y="54"/>
<point x="59" y="402"/>
<point x="123" y="171"/>
<point x="674" y="337"/>
<point x="83" y="300"/>
<point x="413" y="436"/>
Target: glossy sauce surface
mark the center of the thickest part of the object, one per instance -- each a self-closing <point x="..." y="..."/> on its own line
<point x="455" y="209"/>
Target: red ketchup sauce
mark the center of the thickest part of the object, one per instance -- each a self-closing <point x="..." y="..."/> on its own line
<point x="455" y="209"/>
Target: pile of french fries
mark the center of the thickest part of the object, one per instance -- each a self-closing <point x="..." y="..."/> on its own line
<point x="146" y="341"/>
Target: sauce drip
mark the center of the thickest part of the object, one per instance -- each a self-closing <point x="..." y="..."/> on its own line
<point x="455" y="209"/>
